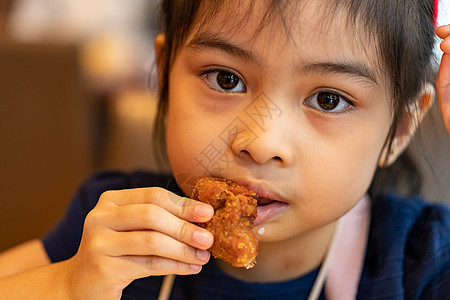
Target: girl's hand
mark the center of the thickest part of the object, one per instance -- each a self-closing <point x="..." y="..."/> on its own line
<point x="443" y="79"/>
<point x="138" y="233"/>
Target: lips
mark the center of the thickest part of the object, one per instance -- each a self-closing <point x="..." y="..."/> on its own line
<point x="270" y="203"/>
<point x="268" y="209"/>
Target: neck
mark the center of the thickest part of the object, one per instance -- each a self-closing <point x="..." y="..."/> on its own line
<point x="285" y="260"/>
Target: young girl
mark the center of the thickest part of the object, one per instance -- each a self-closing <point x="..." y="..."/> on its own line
<point x="301" y="101"/>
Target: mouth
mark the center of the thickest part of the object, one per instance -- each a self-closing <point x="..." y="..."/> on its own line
<point x="270" y="203"/>
<point x="263" y="201"/>
<point x="268" y="209"/>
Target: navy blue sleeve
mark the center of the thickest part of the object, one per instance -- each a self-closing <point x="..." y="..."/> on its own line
<point x="438" y="287"/>
<point x="427" y="255"/>
<point x="408" y="252"/>
<point x="62" y="242"/>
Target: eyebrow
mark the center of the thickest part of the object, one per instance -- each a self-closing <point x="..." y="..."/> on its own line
<point x="352" y="69"/>
<point x="215" y="42"/>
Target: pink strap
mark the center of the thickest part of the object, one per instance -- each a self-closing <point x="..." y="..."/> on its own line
<point x="347" y="252"/>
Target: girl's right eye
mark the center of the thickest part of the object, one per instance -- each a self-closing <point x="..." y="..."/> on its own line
<point x="224" y="81"/>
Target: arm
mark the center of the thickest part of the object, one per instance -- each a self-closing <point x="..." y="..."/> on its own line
<point x="23" y="257"/>
<point x="47" y="282"/>
<point x="25" y="273"/>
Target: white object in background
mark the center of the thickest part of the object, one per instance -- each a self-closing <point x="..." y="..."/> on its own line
<point x="72" y="20"/>
<point x="443" y="19"/>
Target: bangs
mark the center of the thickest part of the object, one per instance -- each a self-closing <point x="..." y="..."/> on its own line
<point x="216" y="17"/>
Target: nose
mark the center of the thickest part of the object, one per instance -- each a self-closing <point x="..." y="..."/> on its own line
<point x="264" y="139"/>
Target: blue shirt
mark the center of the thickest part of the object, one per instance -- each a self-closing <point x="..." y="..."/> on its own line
<point x="408" y="250"/>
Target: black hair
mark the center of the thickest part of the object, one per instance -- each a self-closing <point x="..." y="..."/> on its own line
<point x="402" y="29"/>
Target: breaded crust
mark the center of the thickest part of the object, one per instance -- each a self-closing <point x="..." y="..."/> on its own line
<point x="234" y="213"/>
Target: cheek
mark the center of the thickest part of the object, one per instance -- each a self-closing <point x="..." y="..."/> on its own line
<point x="191" y="137"/>
<point x="341" y="173"/>
<point x="181" y="148"/>
<point x="181" y="124"/>
<point x="182" y="137"/>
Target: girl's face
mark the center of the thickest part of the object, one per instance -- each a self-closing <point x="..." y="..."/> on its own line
<point x="300" y="117"/>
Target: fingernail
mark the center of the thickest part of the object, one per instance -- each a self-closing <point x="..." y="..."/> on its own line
<point x="202" y="255"/>
<point x="202" y="211"/>
<point x="203" y="238"/>
<point x="195" y="268"/>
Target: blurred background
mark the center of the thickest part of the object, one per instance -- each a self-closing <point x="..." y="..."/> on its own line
<point x="75" y="98"/>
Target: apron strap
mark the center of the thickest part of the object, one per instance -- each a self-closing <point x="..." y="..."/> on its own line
<point x="166" y="287"/>
<point x="348" y="253"/>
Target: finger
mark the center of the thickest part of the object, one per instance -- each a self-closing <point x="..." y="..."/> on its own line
<point x="144" y="266"/>
<point x="445" y="45"/>
<point x="145" y="243"/>
<point x="182" y="207"/>
<point x="443" y="31"/>
<point x="153" y="217"/>
<point x="443" y="89"/>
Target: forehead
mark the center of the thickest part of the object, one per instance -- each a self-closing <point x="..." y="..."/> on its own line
<point x="303" y="25"/>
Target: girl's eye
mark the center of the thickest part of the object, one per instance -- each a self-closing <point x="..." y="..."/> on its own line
<point x="224" y="81"/>
<point x="330" y="102"/>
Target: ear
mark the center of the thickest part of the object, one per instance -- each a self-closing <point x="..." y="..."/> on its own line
<point x="160" y="41"/>
<point x="407" y="126"/>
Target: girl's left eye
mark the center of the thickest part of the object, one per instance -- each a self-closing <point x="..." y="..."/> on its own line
<point x="329" y="102"/>
<point x="224" y="81"/>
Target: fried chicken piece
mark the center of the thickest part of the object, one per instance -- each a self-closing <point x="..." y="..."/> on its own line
<point x="232" y="223"/>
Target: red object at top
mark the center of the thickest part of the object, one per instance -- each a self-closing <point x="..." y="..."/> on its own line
<point x="435" y="17"/>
